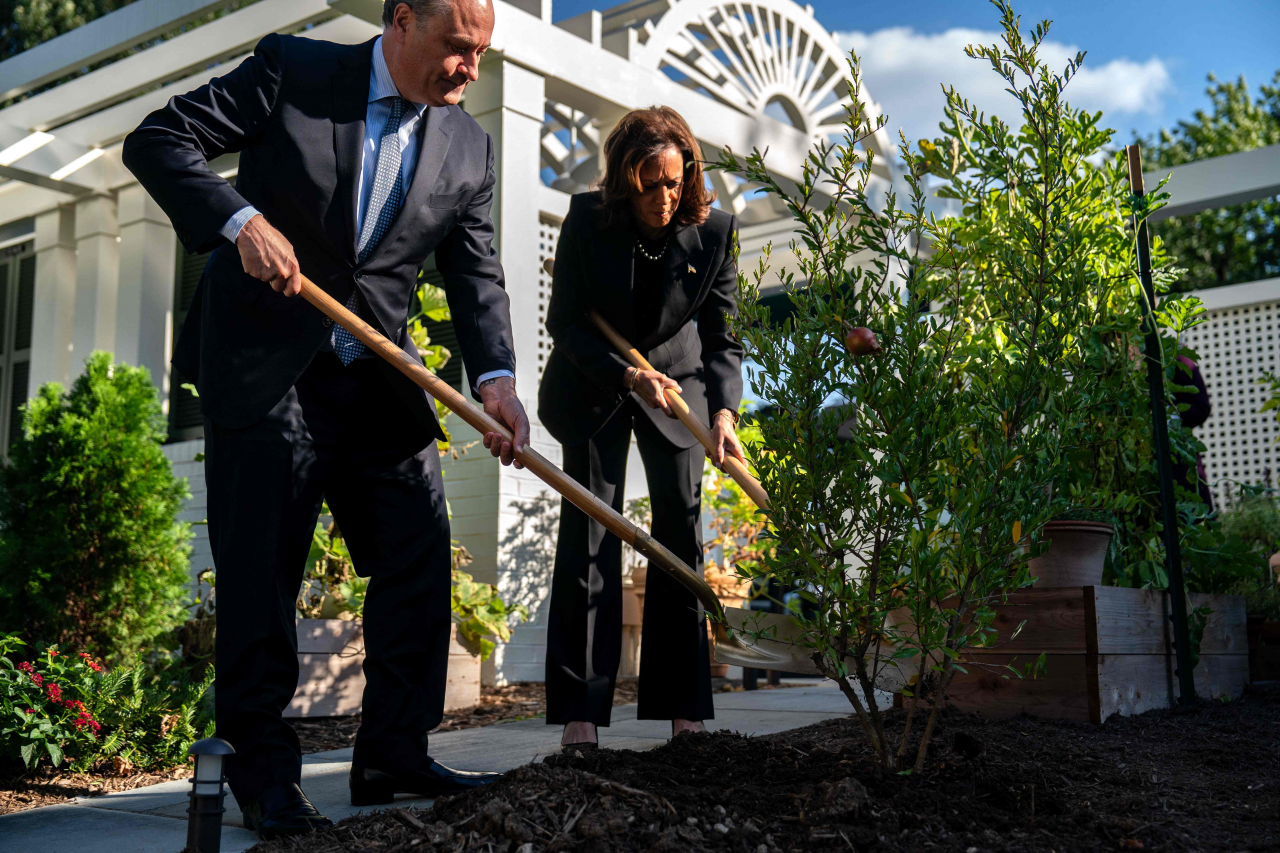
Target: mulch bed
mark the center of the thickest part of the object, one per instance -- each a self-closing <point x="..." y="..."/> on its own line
<point x="1204" y="779"/>
<point x="321" y="734"/>
<point x="49" y="787"/>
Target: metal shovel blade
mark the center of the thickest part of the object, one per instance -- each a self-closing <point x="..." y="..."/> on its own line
<point x="760" y="640"/>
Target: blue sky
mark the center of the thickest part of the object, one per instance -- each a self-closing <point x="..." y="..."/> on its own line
<point x="1145" y="68"/>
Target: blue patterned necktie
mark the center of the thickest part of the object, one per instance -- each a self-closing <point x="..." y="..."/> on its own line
<point x="384" y="206"/>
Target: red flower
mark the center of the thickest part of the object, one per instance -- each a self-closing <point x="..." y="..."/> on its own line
<point x="30" y="711"/>
<point x="74" y="705"/>
<point x="55" y="692"/>
<point x="85" y="721"/>
<point x="93" y="665"/>
<point x="53" y="653"/>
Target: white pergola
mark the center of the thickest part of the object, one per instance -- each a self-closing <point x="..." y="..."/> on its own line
<point x="1239" y="340"/>
<point x="760" y="74"/>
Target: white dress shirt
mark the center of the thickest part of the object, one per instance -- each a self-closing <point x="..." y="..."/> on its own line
<point x="381" y="88"/>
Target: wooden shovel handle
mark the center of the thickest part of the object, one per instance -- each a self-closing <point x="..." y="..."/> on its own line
<point x="736" y="469"/>
<point x="530" y="458"/>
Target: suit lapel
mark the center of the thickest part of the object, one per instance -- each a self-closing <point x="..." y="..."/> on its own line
<point x="681" y="283"/>
<point x="431" y="156"/>
<point x="350" y="105"/>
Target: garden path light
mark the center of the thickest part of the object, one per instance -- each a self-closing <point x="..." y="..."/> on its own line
<point x="732" y="647"/>
<point x="204" y="815"/>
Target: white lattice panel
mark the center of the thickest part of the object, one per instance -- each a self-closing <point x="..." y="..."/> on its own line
<point x="1236" y="346"/>
<point x="548" y="236"/>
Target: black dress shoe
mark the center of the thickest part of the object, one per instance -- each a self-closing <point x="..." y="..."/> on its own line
<point x="282" y="811"/>
<point x="373" y="787"/>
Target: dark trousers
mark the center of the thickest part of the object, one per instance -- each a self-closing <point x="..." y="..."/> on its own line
<point x="584" y="635"/>
<point x="342" y="434"/>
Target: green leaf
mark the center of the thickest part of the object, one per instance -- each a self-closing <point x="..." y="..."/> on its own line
<point x="28" y="752"/>
<point x="55" y="752"/>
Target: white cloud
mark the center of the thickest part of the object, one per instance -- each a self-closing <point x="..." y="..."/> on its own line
<point x="904" y="71"/>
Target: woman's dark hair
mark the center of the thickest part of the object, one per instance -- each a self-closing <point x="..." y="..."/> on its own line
<point x="641" y="136"/>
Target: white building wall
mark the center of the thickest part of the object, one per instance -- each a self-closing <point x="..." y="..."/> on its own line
<point x="182" y="457"/>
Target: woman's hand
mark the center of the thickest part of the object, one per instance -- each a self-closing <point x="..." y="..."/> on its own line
<point x="651" y="386"/>
<point x="725" y="440"/>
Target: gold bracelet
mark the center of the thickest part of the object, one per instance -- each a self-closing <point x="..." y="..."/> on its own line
<point x="633" y="372"/>
<point x="733" y="416"/>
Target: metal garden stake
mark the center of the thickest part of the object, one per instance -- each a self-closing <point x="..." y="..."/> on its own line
<point x="204" y="815"/>
<point x="1160" y="428"/>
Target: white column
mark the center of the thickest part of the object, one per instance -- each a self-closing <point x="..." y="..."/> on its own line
<point x="97" y="277"/>
<point x="55" y="301"/>
<point x="509" y="102"/>
<point x="144" y="315"/>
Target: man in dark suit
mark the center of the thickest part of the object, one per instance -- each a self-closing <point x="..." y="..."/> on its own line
<point x="355" y="164"/>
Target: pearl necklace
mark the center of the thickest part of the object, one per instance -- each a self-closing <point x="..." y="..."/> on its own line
<point x="657" y="257"/>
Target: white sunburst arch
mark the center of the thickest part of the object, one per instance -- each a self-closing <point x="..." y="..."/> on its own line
<point x="751" y="56"/>
<point x="770" y="59"/>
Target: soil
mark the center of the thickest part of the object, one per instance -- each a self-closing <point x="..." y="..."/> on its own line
<point x="1201" y="779"/>
<point x="319" y="734"/>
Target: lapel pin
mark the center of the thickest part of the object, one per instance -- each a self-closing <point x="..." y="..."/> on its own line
<point x="692" y="271"/>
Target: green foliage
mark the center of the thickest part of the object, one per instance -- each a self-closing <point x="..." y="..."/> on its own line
<point x="331" y="589"/>
<point x="1234" y="244"/>
<point x="737" y="529"/>
<point x="432" y="305"/>
<point x="57" y="709"/>
<point x="481" y="614"/>
<point x="1236" y="550"/>
<point x="909" y="489"/>
<point x="92" y="555"/>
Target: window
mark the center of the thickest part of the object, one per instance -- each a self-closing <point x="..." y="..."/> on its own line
<point x="17" y="300"/>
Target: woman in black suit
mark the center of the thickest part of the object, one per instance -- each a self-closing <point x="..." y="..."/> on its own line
<point x="649" y="253"/>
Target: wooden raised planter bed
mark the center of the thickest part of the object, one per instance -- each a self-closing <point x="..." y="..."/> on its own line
<point x="1108" y="651"/>
<point x="331" y="670"/>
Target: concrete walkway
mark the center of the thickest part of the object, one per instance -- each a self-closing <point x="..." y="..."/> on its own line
<point x="153" y="820"/>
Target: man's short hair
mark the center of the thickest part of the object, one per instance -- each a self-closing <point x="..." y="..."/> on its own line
<point x="420" y="8"/>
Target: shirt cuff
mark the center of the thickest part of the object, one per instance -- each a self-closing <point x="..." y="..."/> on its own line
<point x="232" y="229"/>
<point x="493" y="374"/>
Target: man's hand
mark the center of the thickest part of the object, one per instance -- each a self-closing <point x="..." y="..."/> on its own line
<point x="725" y="440"/>
<point x="502" y="404"/>
<point x="267" y="255"/>
<point x="651" y="386"/>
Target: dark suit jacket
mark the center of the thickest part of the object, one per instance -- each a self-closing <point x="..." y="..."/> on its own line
<point x="582" y="385"/>
<point x="295" y="111"/>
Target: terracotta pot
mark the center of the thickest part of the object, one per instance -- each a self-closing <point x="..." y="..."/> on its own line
<point x="1076" y="554"/>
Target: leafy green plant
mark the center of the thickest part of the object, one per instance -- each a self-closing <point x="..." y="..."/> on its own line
<point x="481" y="614"/>
<point x="331" y="589"/>
<point x="909" y="488"/>
<point x="432" y="305"/>
<point x="75" y="710"/>
<point x="92" y="555"/>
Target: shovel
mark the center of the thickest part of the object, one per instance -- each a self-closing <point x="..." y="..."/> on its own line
<point x="731" y="646"/>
